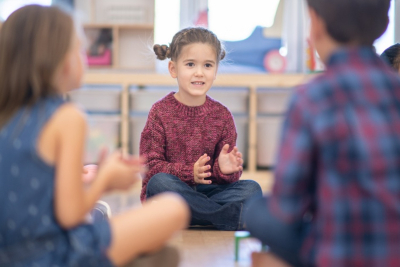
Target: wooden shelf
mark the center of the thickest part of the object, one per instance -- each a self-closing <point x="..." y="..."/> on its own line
<point x="129" y="46"/>
<point x="121" y="26"/>
<point x="244" y="80"/>
<point x="251" y="81"/>
<point x="132" y="29"/>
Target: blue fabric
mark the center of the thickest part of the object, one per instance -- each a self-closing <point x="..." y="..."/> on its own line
<point x="219" y="205"/>
<point x="283" y="239"/>
<point x="339" y="161"/>
<point x="29" y="232"/>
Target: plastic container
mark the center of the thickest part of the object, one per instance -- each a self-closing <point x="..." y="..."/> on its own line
<point x="98" y="98"/>
<point x="137" y="123"/>
<point x="273" y="101"/>
<point x="141" y="100"/>
<point x="103" y="131"/>
<point x="236" y="99"/>
<point x="268" y="138"/>
<point x="124" y="11"/>
<point x="242" y="129"/>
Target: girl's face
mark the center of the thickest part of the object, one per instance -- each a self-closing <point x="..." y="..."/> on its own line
<point x="71" y="72"/>
<point x="195" y="69"/>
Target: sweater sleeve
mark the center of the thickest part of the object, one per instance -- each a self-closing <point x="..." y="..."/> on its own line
<point x="229" y="136"/>
<point x="153" y="148"/>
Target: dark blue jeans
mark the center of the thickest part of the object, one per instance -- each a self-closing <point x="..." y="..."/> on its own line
<point x="219" y="205"/>
<point x="284" y="240"/>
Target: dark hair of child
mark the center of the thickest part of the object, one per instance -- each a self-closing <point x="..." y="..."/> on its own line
<point x="349" y="22"/>
<point x="189" y="36"/>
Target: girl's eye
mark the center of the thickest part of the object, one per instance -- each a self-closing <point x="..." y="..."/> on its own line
<point x="190" y="64"/>
<point x="208" y="65"/>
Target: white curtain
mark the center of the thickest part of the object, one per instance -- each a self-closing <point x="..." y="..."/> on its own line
<point x="295" y="34"/>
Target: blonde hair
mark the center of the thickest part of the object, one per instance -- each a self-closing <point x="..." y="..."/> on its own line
<point x="189" y="36"/>
<point x="33" y="42"/>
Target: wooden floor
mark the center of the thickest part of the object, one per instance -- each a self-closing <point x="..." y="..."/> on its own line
<point x="209" y="248"/>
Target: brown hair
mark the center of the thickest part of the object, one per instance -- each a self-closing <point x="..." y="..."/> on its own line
<point x="33" y="42"/>
<point x="353" y="21"/>
<point x="189" y="36"/>
<point x="391" y="55"/>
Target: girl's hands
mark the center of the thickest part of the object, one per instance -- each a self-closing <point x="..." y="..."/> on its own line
<point x="230" y="162"/>
<point x="199" y="170"/>
<point x="120" y="173"/>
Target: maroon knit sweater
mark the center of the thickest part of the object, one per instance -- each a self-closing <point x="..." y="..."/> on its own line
<point x="176" y="135"/>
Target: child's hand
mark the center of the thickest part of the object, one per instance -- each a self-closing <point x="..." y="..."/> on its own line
<point x="230" y="162"/>
<point x="199" y="170"/>
<point x="89" y="173"/>
<point x="121" y="173"/>
<point x="90" y="170"/>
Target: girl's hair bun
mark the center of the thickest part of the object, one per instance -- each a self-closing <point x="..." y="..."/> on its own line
<point x="223" y="54"/>
<point x="162" y="51"/>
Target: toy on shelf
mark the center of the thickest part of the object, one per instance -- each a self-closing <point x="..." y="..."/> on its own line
<point x="252" y="51"/>
<point x="99" y="52"/>
<point x="260" y="51"/>
<point x="101" y="60"/>
<point x="274" y="62"/>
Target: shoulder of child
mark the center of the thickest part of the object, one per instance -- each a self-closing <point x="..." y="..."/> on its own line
<point x="315" y="86"/>
<point x="69" y="115"/>
<point x="218" y="106"/>
<point x="162" y="104"/>
<point x="312" y="93"/>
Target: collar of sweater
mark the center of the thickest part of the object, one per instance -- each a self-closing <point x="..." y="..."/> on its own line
<point x="182" y="109"/>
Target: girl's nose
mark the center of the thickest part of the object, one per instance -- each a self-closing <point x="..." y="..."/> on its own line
<point x="199" y="71"/>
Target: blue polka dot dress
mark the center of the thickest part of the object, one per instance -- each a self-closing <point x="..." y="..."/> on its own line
<point x="29" y="232"/>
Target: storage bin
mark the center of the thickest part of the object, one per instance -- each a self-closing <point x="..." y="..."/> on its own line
<point x="137" y="123"/>
<point x="268" y="138"/>
<point x="103" y="131"/>
<point x="124" y="12"/>
<point x="242" y="129"/>
<point x="141" y="100"/>
<point x="273" y="101"/>
<point x="236" y="99"/>
<point x="98" y="98"/>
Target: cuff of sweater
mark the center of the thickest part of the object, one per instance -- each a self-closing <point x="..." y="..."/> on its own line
<point x="187" y="175"/>
<point x="229" y="178"/>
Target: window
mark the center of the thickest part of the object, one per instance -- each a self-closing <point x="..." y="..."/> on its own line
<point x="9" y="6"/>
<point x="234" y="20"/>
<point x="166" y="20"/>
<point x="387" y="39"/>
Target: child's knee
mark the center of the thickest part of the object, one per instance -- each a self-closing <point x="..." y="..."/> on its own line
<point x="164" y="182"/>
<point x="178" y="207"/>
<point x="157" y="184"/>
<point x="252" y="188"/>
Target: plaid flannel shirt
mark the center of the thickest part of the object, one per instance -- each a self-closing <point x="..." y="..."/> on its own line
<point x="339" y="161"/>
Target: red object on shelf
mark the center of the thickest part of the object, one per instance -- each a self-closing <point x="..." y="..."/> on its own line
<point x="103" y="60"/>
<point x="202" y="20"/>
<point x="274" y="62"/>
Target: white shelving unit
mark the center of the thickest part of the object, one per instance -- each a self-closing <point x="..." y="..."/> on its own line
<point x="132" y="26"/>
<point x="274" y="102"/>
